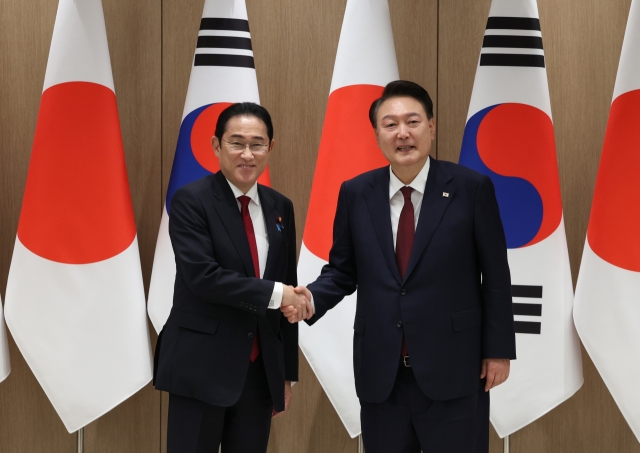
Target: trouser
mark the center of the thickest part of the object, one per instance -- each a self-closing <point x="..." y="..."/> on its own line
<point x="197" y="427"/>
<point x="409" y="421"/>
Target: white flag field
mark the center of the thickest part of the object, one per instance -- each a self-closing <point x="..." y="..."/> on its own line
<point x="223" y="73"/>
<point x="509" y="136"/>
<point x="607" y="306"/>
<point x="75" y="301"/>
<point x="365" y="63"/>
<point x="5" y="365"/>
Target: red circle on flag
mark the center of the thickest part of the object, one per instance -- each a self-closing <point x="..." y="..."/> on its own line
<point x="77" y="205"/>
<point x="203" y="130"/>
<point x="517" y="140"/>
<point x="615" y="213"/>
<point x="347" y="148"/>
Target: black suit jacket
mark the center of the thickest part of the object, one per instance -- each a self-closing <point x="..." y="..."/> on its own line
<point x="454" y="304"/>
<point x="204" y="348"/>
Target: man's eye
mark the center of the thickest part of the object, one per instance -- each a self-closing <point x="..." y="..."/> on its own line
<point x="256" y="146"/>
<point x="390" y="125"/>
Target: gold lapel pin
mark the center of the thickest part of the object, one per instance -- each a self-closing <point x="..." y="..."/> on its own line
<point x="445" y="194"/>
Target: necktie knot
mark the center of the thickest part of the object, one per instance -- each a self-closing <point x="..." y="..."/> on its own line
<point x="406" y="192"/>
<point x="244" y="201"/>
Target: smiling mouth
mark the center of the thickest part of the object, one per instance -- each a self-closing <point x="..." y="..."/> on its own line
<point x="405" y="148"/>
<point x="246" y="166"/>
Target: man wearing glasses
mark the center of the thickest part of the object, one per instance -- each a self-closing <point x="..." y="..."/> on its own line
<point x="227" y="355"/>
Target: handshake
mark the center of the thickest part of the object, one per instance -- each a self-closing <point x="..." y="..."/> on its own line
<point x="296" y="303"/>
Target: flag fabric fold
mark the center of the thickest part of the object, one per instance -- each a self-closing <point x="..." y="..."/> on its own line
<point x="365" y="63"/>
<point x="607" y="307"/>
<point x="223" y="73"/>
<point x="509" y="137"/>
<point x="75" y="299"/>
<point x="5" y="365"/>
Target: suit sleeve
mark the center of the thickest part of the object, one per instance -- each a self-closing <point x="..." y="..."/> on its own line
<point x="498" y="335"/>
<point x="288" y="330"/>
<point x="193" y="249"/>
<point x="339" y="277"/>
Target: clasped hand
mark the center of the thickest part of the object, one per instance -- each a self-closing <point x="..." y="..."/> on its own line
<point x="296" y="303"/>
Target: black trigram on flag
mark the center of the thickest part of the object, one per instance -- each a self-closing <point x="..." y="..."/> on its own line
<point x="503" y="45"/>
<point x="527" y="309"/>
<point x="232" y="49"/>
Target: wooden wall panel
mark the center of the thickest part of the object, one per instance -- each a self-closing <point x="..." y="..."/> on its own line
<point x="295" y="44"/>
<point x="134" y="33"/>
<point x="415" y="32"/>
<point x="461" y="27"/>
<point x="28" y="422"/>
<point x="582" y="42"/>
<point x="180" y="24"/>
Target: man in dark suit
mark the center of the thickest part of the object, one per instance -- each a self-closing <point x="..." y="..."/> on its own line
<point x="423" y="243"/>
<point x="227" y="355"/>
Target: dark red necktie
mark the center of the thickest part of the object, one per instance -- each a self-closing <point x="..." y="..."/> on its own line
<point x="251" y="236"/>
<point x="404" y="242"/>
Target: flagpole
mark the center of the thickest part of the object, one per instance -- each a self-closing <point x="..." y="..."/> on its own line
<point x="81" y="440"/>
<point x="506" y="444"/>
<point x="360" y="444"/>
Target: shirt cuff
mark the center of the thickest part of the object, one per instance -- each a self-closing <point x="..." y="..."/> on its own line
<point x="313" y="305"/>
<point x="276" y="296"/>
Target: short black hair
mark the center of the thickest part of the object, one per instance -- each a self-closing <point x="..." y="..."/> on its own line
<point x="243" y="109"/>
<point x="402" y="88"/>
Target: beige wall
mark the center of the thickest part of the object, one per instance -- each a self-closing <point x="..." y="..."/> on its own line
<point x="437" y="43"/>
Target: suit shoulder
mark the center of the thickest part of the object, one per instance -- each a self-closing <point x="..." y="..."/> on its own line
<point x="197" y="187"/>
<point x="277" y="196"/>
<point x="460" y="171"/>
<point x="194" y="192"/>
<point x="367" y="178"/>
<point x="465" y="176"/>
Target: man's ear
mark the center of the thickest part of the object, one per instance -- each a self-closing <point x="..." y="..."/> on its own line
<point x="215" y="143"/>
<point x="432" y="126"/>
<point x="271" y="145"/>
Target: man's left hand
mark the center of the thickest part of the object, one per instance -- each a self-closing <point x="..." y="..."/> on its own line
<point x="287" y="399"/>
<point x="496" y="371"/>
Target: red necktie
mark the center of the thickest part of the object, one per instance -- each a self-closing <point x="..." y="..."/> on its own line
<point x="404" y="242"/>
<point x="251" y="236"/>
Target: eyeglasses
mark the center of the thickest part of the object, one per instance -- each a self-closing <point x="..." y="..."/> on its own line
<point x="255" y="148"/>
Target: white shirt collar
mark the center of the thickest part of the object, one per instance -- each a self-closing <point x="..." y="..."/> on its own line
<point x="252" y="193"/>
<point x="418" y="182"/>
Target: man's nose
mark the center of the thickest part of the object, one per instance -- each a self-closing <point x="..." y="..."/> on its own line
<point x="246" y="153"/>
<point x="403" y="132"/>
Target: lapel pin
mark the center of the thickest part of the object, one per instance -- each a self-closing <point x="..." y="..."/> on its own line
<point x="445" y="194"/>
<point x="279" y="223"/>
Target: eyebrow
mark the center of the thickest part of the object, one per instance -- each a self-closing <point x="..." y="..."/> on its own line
<point x="255" y="137"/>
<point x="407" y="115"/>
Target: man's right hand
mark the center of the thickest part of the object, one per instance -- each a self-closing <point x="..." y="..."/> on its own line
<point x="294" y="306"/>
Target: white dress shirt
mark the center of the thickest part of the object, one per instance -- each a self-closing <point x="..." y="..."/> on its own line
<point x="262" y="240"/>
<point x="396" y="199"/>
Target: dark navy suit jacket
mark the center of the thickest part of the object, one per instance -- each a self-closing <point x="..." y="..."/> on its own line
<point x="454" y="304"/>
<point x="204" y="348"/>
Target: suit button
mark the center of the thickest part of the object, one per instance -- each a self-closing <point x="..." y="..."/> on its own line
<point x="403" y="291"/>
<point x="250" y="335"/>
<point x="399" y="323"/>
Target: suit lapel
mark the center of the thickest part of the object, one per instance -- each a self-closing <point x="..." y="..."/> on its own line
<point x="377" y="200"/>
<point x="227" y="207"/>
<point x="434" y="205"/>
<point x="275" y="237"/>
